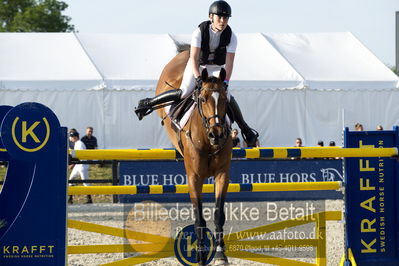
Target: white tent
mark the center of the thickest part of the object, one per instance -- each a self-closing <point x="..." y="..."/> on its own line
<point x="344" y="84"/>
<point x="288" y="85"/>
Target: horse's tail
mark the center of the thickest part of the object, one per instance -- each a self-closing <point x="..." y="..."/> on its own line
<point x="181" y="47"/>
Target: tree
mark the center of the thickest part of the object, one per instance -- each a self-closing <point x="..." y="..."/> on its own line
<point x="34" y="16"/>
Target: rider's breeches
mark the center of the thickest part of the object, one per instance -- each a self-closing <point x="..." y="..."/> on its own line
<point x="188" y="83"/>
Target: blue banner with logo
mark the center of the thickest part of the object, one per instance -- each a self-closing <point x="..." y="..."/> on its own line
<point x="372" y="186"/>
<point x="242" y="171"/>
<point x="33" y="197"/>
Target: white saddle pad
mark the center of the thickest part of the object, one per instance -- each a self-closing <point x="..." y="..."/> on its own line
<point x="186" y="116"/>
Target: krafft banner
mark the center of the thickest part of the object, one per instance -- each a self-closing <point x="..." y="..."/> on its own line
<point x="33" y="197"/>
<point x="242" y="171"/>
<point x="372" y="198"/>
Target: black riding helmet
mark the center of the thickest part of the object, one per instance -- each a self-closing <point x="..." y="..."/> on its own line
<point x="220" y="8"/>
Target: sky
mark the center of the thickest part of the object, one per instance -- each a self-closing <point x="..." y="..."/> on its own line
<point x="371" y="21"/>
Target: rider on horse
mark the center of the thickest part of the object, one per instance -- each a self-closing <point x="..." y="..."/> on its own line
<point x="213" y="46"/>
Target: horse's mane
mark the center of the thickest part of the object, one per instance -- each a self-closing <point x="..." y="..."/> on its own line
<point x="181" y="47"/>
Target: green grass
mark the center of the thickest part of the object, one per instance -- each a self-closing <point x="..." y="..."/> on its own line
<point x="95" y="172"/>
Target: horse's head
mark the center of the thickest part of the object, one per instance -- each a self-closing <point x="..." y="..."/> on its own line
<point x="212" y="105"/>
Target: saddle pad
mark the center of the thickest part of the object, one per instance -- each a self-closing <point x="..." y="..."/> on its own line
<point x="186" y="116"/>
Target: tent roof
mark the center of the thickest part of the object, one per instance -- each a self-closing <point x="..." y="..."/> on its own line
<point x="129" y="61"/>
<point x="333" y="61"/>
<point x="259" y="65"/>
<point x="134" y="61"/>
<point x="45" y="61"/>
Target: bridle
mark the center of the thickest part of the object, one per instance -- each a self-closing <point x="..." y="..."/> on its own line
<point x="200" y="100"/>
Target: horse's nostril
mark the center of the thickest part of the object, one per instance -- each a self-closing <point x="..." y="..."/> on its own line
<point x="211" y="135"/>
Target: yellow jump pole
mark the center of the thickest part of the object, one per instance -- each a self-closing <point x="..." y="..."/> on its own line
<point x="302" y="152"/>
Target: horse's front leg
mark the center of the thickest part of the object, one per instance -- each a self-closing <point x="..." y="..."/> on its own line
<point x="195" y="188"/>
<point x="221" y="186"/>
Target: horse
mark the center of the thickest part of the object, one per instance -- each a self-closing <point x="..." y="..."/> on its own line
<point x="205" y="145"/>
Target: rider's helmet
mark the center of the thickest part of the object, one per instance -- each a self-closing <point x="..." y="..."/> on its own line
<point x="220" y="8"/>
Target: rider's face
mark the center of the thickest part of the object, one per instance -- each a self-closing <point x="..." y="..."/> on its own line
<point x="219" y="23"/>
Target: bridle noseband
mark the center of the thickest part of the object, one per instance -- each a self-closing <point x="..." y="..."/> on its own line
<point x="199" y="100"/>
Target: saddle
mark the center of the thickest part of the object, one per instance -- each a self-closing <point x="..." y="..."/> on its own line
<point x="178" y="109"/>
<point x="176" y="112"/>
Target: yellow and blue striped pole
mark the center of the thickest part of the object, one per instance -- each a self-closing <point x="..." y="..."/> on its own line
<point x="250" y="153"/>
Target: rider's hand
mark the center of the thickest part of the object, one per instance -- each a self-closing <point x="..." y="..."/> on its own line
<point x="198" y="82"/>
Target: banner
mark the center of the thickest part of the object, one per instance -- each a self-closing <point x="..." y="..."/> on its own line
<point x="372" y="200"/>
<point x="33" y="197"/>
<point x="242" y="171"/>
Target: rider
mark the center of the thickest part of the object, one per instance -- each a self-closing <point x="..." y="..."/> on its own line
<point x="213" y="46"/>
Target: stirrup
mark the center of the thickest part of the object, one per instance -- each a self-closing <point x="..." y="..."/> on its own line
<point x="251" y="142"/>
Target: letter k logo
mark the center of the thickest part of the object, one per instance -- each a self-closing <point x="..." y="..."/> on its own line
<point x="29" y="131"/>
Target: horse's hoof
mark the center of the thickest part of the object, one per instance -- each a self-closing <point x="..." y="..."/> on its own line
<point x="221" y="262"/>
<point x="201" y="256"/>
<point x="203" y="263"/>
<point x="220" y="258"/>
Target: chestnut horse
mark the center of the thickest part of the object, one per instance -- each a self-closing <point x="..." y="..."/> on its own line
<point x="206" y="146"/>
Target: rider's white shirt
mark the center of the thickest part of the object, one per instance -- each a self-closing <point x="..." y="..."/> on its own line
<point x="188" y="82"/>
<point x="214" y="39"/>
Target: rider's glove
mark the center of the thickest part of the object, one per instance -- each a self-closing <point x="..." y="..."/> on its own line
<point x="226" y="84"/>
<point x="198" y="82"/>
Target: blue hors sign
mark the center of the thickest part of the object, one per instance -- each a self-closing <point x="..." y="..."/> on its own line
<point x="242" y="171"/>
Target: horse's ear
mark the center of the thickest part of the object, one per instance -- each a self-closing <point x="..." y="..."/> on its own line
<point x="204" y="75"/>
<point x="222" y="74"/>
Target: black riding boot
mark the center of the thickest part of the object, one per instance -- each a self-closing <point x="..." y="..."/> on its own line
<point x="249" y="135"/>
<point x="146" y="105"/>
